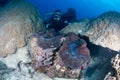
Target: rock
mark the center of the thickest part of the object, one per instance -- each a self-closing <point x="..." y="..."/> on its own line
<point x="109" y="77"/>
<point x="25" y="76"/>
<point x="104" y="30"/>
<point x="77" y="27"/>
<point x="42" y="46"/>
<point x="73" y="55"/>
<point x="17" y="20"/>
<point x="58" y="55"/>
<point x="4" y="68"/>
<point x="115" y="64"/>
<point x="13" y="60"/>
<point x="25" y="73"/>
<point x="18" y="67"/>
<point x="74" y="52"/>
<point x="63" y="79"/>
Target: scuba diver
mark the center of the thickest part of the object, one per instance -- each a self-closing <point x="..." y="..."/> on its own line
<point x="59" y="20"/>
<point x="70" y="15"/>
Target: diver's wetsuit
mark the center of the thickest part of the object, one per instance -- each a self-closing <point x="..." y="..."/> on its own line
<point x="57" y="25"/>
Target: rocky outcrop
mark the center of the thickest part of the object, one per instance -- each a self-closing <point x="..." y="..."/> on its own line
<point x="13" y="60"/>
<point x="17" y="20"/>
<point x="104" y="30"/>
<point x="59" y="55"/>
<point x="17" y="67"/>
<point x="77" y="27"/>
<point x="116" y="65"/>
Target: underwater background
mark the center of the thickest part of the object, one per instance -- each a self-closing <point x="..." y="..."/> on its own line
<point x="84" y="8"/>
<point x="59" y="40"/>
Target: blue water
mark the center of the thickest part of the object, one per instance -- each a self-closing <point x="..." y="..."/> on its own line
<point x="84" y="8"/>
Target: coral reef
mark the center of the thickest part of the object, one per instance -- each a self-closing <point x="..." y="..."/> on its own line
<point x="41" y="47"/>
<point x="79" y="27"/>
<point x="103" y="30"/>
<point x="74" y="56"/>
<point x="58" y="55"/>
<point x="13" y="60"/>
<point x="116" y="65"/>
<point x="18" y="19"/>
<point x="18" y="67"/>
<point x="109" y="77"/>
<point x="66" y="56"/>
<point x="74" y="52"/>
